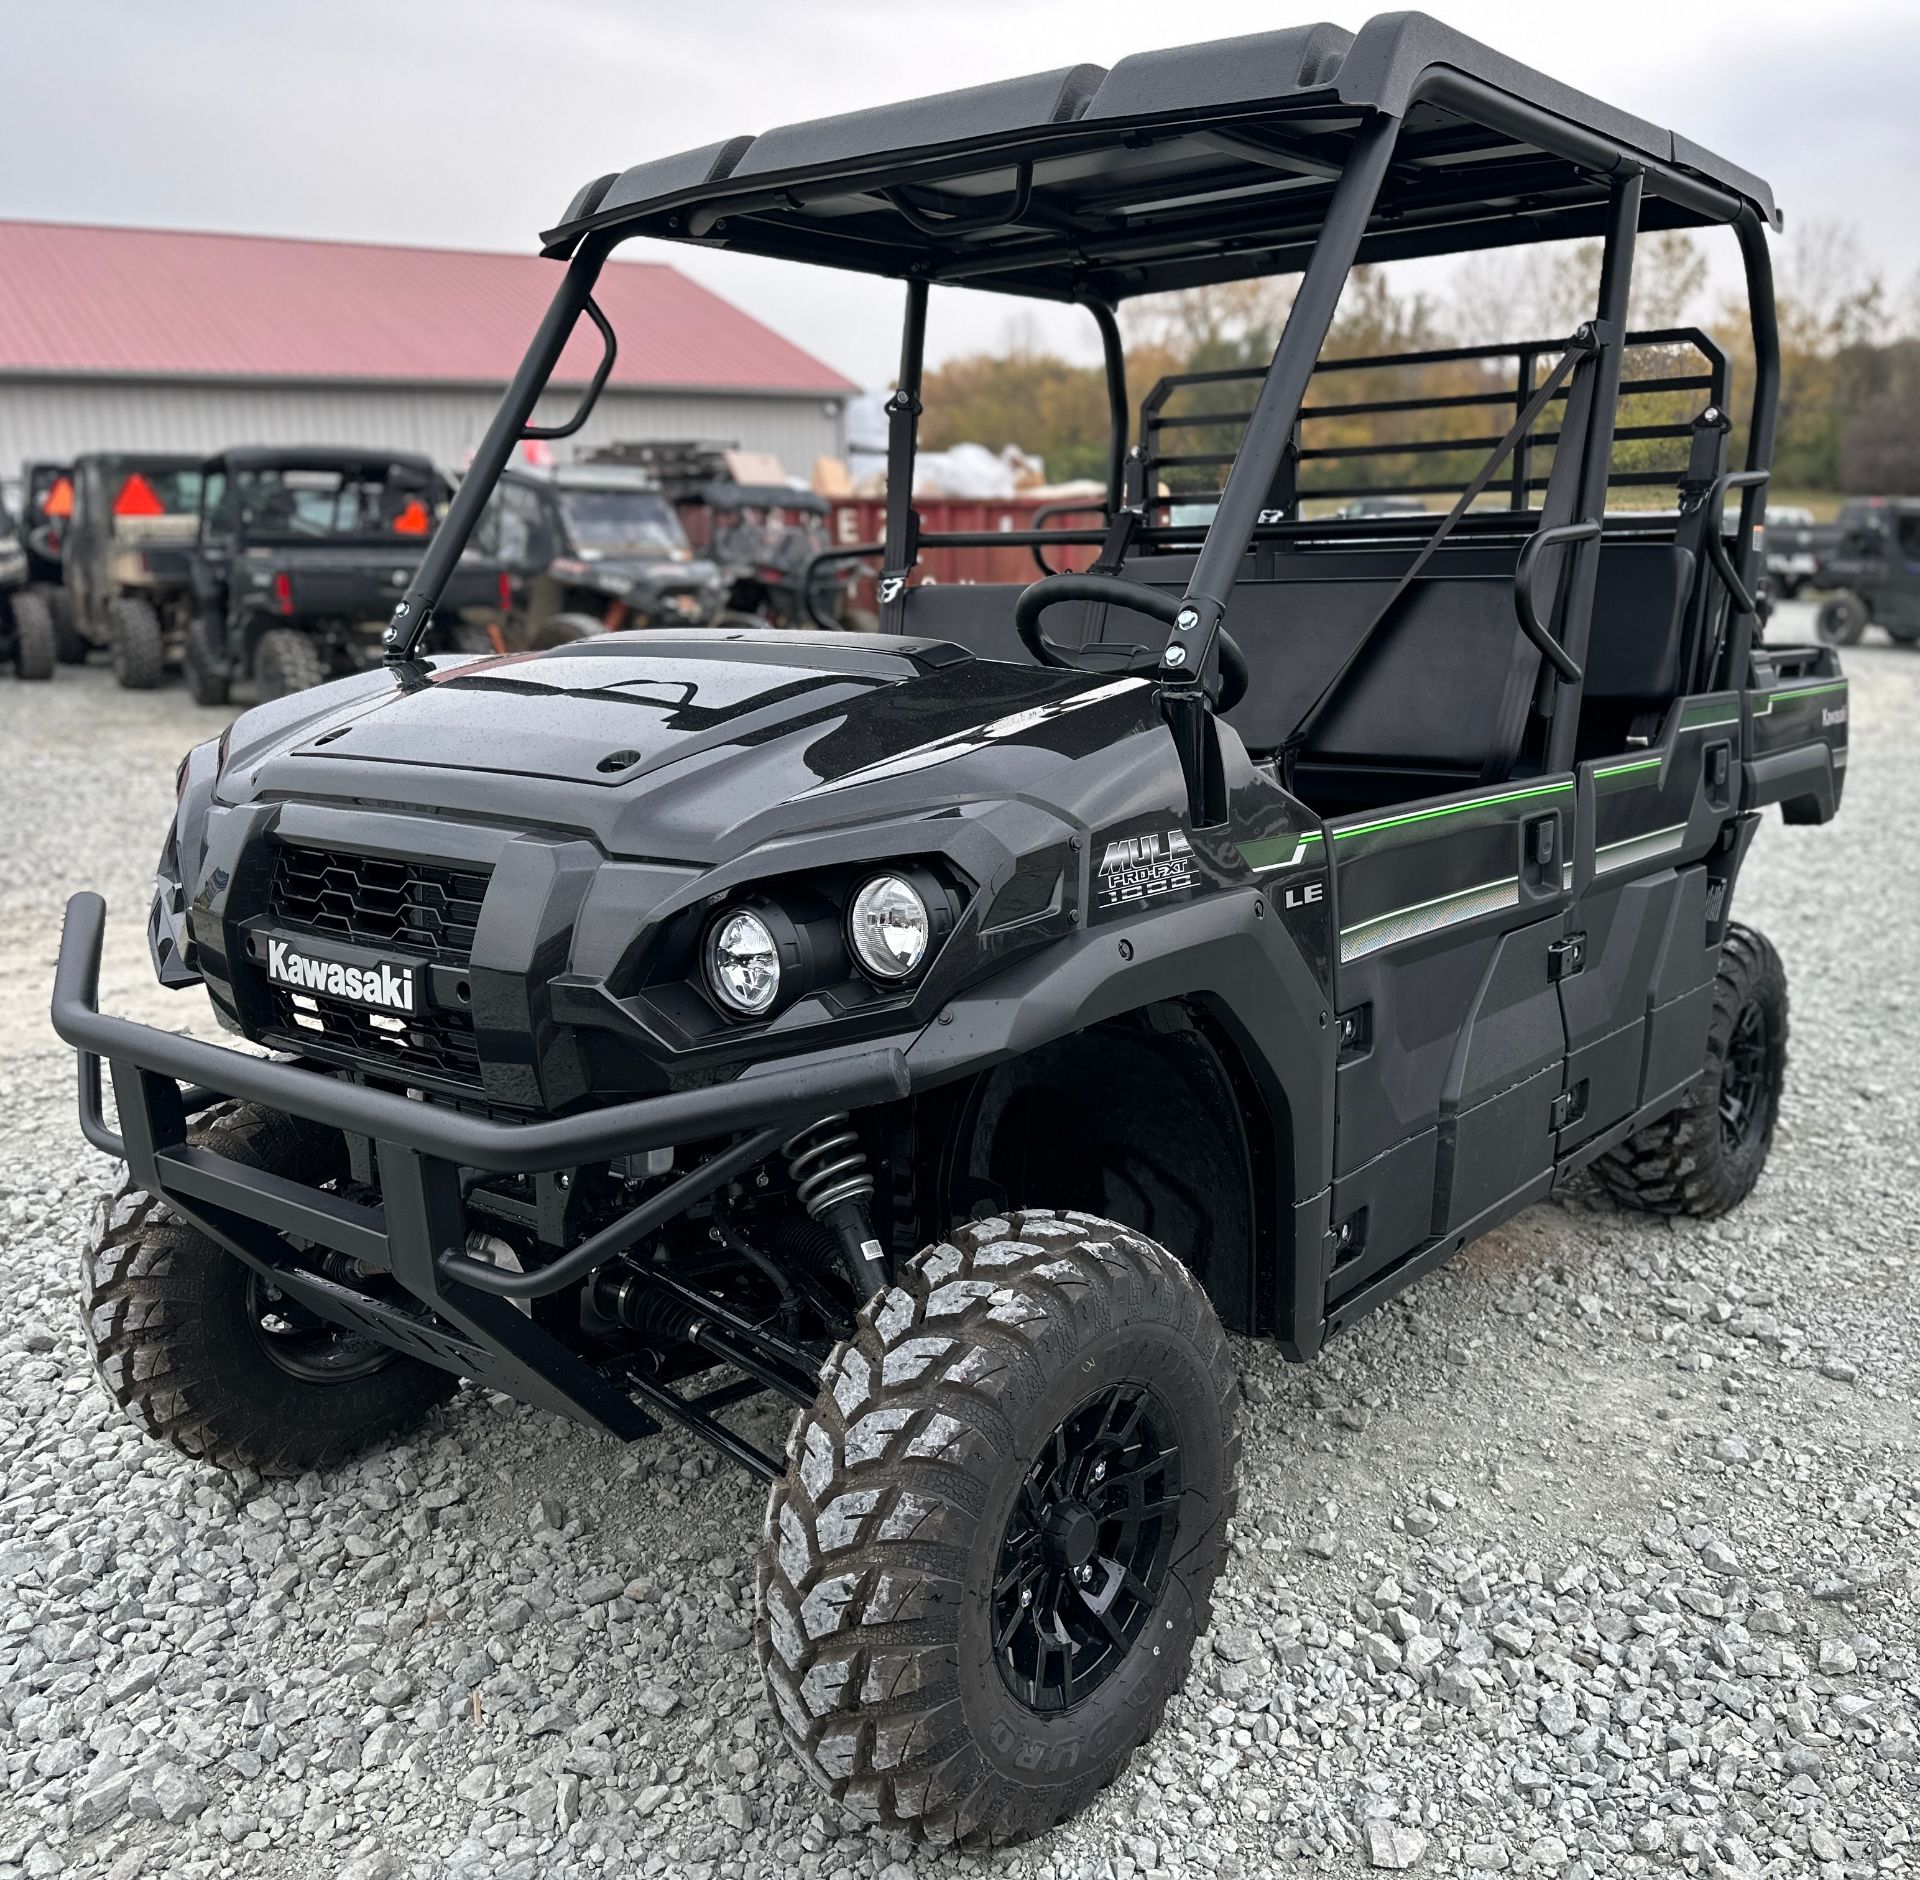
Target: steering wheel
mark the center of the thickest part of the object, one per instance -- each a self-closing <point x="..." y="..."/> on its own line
<point x="1141" y="661"/>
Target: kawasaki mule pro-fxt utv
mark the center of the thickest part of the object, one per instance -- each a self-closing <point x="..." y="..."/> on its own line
<point x="951" y="1029"/>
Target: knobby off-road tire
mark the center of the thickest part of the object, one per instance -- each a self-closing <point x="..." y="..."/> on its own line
<point x="1842" y="620"/>
<point x="206" y="677"/>
<point x="70" y="641"/>
<point x="894" y="1546"/>
<point x="175" y="1326"/>
<point x="1704" y="1158"/>
<point x="35" y="643"/>
<point x="287" y="661"/>
<point x="137" y="642"/>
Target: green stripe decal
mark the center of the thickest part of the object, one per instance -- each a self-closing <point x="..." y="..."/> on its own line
<point x="1639" y="768"/>
<point x="1809" y="691"/>
<point x="1452" y="809"/>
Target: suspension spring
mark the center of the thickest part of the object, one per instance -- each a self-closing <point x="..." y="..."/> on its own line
<point x="828" y="1165"/>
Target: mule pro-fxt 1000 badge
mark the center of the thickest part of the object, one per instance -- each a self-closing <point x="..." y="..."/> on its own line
<point x="1145" y="867"/>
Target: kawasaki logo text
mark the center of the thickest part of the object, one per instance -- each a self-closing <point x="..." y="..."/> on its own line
<point x="387" y="986"/>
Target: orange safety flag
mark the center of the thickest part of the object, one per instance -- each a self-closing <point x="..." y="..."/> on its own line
<point x="413" y="519"/>
<point x="59" y="503"/>
<point x="137" y="498"/>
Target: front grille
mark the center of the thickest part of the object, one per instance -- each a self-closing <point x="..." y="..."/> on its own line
<point x="432" y="1044"/>
<point x="425" y="909"/>
<point x="415" y="907"/>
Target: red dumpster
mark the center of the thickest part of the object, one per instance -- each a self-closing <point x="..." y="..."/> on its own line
<point x="864" y="519"/>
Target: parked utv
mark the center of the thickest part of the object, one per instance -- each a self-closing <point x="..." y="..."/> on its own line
<point x="26" y="627"/>
<point x="300" y="554"/>
<point x="127" y="558"/>
<point x="1874" y="566"/>
<point x="594" y="549"/>
<point x="763" y="537"/>
<point x="950" y="1030"/>
<point x="1796" y="544"/>
<point x="46" y="492"/>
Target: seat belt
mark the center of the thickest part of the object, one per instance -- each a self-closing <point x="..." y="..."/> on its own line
<point x="1577" y="349"/>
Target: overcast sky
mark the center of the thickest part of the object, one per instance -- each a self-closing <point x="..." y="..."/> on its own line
<point x="469" y="123"/>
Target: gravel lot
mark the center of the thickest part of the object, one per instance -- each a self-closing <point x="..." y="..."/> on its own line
<point x="1593" y="1555"/>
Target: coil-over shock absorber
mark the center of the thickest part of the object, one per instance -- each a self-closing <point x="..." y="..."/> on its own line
<point x="830" y="1175"/>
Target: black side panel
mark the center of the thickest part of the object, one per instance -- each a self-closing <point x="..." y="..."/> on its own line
<point x="1495" y="1126"/>
<point x="1380" y="1211"/>
<point x="1413" y="1010"/>
<point x="1682" y="996"/>
<point x="1797" y="754"/>
<point x="1605" y="1004"/>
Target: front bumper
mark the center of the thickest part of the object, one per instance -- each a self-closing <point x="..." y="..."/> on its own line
<point x="442" y="1307"/>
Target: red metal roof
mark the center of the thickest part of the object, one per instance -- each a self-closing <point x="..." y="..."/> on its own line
<point x="161" y="303"/>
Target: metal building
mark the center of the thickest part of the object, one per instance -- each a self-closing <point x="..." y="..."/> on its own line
<point x="115" y="338"/>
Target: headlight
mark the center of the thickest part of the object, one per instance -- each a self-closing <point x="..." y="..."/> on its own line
<point x="743" y="963"/>
<point x="888" y="927"/>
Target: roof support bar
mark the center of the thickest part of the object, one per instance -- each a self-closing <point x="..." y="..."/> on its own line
<point x="1743" y="630"/>
<point x="1562" y="698"/>
<point x="414" y="613"/>
<point x="1270" y="429"/>
<point x="1114" y="355"/>
<point x="903" y="426"/>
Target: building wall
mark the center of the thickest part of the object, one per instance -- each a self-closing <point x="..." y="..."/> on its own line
<point x="52" y="418"/>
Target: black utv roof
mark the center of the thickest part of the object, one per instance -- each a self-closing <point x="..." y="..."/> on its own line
<point x="349" y="461"/>
<point x="1203" y="163"/>
<point x="139" y="459"/>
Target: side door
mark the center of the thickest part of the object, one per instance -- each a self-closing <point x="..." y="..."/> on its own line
<point x="1645" y="915"/>
<point x="1450" y="916"/>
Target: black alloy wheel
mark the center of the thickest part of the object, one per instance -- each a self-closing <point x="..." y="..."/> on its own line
<point x="995" y="1546"/>
<point x="1745" y="1075"/>
<point x="1085" y="1554"/>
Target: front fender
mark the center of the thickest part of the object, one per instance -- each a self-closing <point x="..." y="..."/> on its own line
<point x="1228" y="950"/>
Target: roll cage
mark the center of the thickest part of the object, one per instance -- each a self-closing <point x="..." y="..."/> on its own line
<point x="1309" y="150"/>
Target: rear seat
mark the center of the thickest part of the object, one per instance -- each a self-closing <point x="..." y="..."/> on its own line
<point x="1419" y="713"/>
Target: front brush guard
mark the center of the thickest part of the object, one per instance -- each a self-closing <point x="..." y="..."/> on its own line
<point x="458" y="1312"/>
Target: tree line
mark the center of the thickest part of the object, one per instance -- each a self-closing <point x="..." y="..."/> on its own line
<point x="1849" y="414"/>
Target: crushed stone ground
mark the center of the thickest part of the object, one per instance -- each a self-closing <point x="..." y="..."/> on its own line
<point x="1591" y="1555"/>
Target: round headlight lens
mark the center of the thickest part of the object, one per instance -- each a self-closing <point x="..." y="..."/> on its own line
<point x="743" y="963"/>
<point x="889" y="927"/>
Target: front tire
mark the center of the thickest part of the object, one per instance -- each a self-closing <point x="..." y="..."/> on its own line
<point x="137" y="642"/>
<point x="1043" y="1406"/>
<point x="35" y="641"/>
<point x="287" y="661"/>
<point x="72" y="644"/>
<point x="206" y="676"/>
<point x="189" y="1342"/>
<point x="1704" y="1158"/>
<point x="1842" y="620"/>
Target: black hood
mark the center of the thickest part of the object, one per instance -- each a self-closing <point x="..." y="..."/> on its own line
<point x="680" y="744"/>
